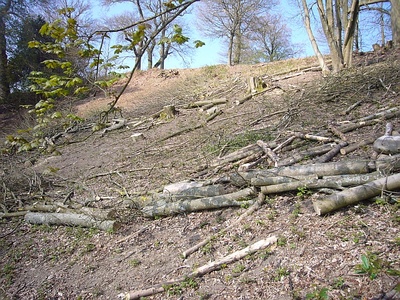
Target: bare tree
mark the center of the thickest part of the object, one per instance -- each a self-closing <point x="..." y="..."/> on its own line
<point x="142" y="12"/>
<point x="269" y="39"/>
<point x="339" y="19"/>
<point x="395" y="20"/>
<point x="231" y="20"/>
<point x="12" y="14"/>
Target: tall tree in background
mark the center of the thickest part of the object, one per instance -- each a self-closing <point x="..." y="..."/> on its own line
<point x="231" y="21"/>
<point x="23" y="60"/>
<point x="269" y="40"/>
<point x="395" y="21"/>
<point x="155" y="14"/>
<point x="338" y="19"/>
<point x="12" y="16"/>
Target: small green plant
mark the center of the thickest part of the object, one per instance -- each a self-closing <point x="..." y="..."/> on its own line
<point x="134" y="262"/>
<point x="370" y="264"/>
<point x="296" y="211"/>
<point x="245" y="205"/>
<point x="177" y="289"/>
<point x="89" y="248"/>
<point x="272" y="215"/>
<point x="247" y="227"/>
<point x="239" y="268"/>
<point x="303" y="191"/>
<point x="281" y="272"/>
<point x="260" y="222"/>
<point x="8" y="272"/>
<point x="282" y="241"/>
<point x="321" y="294"/>
<point x="338" y="283"/>
<point x="206" y="249"/>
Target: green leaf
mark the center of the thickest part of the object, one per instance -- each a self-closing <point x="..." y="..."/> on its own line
<point x="56" y="115"/>
<point x="365" y="262"/>
<point x="198" y="43"/>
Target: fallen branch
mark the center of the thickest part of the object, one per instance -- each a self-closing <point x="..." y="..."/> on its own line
<point x="356" y="194"/>
<point x="319" y="169"/>
<point x="212" y="266"/>
<point x="117" y="123"/>
<point x="312" y="137"/>
<point x="207" y="103"/>
<point x="355" y="146"/>
<point x="332" y="153"/>
<point x="163" y="208"/>
<point x="335" y="182"/>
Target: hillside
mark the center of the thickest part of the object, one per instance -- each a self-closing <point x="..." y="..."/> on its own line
<point x="315" y="257"/>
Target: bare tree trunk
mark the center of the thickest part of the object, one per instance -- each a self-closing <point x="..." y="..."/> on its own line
<point x="395" y="20"/>
<point x="354" y="195"/>
<point x="307" y="23"/>
<point x="327" y="21"/>
<point x="4" y="83"/>
<point x="230" y="50"/>
<point x="349" y="37"/>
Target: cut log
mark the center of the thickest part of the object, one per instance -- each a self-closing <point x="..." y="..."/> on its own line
<point x="326" y="204"/>
<point x="312" y="137"/>
<point x="263" y="181"/>
<point x="69" y="219"/>
<point x="319" y="169"/>
<point x="271" y="154"/>
<point x="207" y="103"/>
<point x="163" y="208"/>
<point x="355" y="146"/>
<point x="386" y="114"/>
<point x="284" y="144"/>
<point x="194" y="192"/>
<point x="95" y="213"/>
<point x="337" y="132"/>
<point x="353" y="126"/>
<point x="387" y="144"/>
<point x="116" y="124"/>
<point x="388" y="163"/>
<point x="334" y="182"/>
<point x="332" y="153"/>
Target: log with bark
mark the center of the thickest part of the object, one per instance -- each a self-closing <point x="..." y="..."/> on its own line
<point x="387" y="143"/>
<point x="207" y="103"/>
<point x="334" y="182"/>
<point x="326" y="204"/>
<point x="163" y="208"/>
<point x="70" y="219"/>
<point x="318" y="169"/>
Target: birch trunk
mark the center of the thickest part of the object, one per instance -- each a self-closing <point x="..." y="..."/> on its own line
<point x="354" y="195"/>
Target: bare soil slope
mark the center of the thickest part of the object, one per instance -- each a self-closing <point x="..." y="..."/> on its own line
<point x="315" y="257"/>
